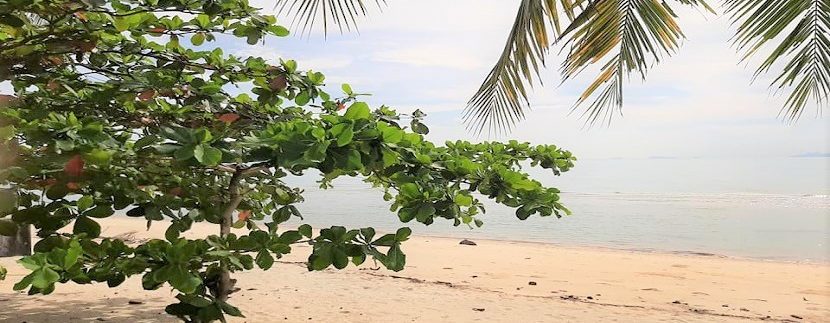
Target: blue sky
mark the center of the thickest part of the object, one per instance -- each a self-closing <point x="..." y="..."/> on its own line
<point x="432" y="55"/>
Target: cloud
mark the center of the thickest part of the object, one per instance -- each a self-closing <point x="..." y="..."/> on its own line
<point x="427" y="55"/>
<point x="317" y="63"/>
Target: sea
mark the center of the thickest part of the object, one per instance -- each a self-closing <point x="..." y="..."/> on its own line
<point x="762" y="208"/>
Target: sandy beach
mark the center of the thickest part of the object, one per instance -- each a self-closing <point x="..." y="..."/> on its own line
<point x="494" y="281"/>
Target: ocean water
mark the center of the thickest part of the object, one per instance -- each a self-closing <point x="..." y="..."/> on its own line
<point x="776" y="209"/>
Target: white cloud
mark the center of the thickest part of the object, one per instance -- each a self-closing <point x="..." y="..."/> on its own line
<point x="427" y="55"/>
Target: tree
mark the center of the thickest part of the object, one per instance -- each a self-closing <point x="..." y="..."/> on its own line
<point x="114" y="111"/>
<point x="624" y="37"/>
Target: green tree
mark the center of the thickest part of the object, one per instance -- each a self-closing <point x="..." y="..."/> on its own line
<point x="122" y="105"/>
<point x="624" y="37"/>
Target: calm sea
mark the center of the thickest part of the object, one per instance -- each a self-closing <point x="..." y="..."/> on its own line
<point x="777" y="209"/>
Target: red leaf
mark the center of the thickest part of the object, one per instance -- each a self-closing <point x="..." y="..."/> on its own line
<point x="176" y="191"/>
<point x="8" y="100"/>
<point x="278" y="83"/>
<point x="81" y="16"/>
<point x="85" y="46"/>
<point x="157" y="30"/>
<point x="74" y="167"/>
<point x="52" y="85"/>
<point x="228" y="117"/>
<point x="244" y="215"/>
<point x="72" y="186"/>
<point x="147" y="95"/>
<point x="340" y="106"/>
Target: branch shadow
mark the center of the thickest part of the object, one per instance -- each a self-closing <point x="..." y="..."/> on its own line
<point x="66" y="307"/>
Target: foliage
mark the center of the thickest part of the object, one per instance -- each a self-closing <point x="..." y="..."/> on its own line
<point x="625" y="37"/>
<point x="119" y="106"/>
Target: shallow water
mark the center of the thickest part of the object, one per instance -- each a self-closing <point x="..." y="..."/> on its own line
<point x="777" y="209"/>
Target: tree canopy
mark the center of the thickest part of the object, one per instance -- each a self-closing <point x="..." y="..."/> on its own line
<point x="123" y="107"/>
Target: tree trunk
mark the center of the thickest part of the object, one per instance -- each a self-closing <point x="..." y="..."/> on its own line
<point x="224" y="286"/>
<point x="17" y="245"/>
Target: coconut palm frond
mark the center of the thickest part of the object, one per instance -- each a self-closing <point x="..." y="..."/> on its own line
<point x="501" y="100"/>
<point x="341" y="13"/>
<point x="629" y="36"/>
<point x="804" y="51"/>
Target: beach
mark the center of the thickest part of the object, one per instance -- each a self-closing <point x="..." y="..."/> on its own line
<point x="444" y="281"/>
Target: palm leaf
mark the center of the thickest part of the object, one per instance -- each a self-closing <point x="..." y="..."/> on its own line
<point x="501" y="100"/>
<point x="341" y="13"/>
<point x="806" y="48"/>
<point x="629" y="36"/>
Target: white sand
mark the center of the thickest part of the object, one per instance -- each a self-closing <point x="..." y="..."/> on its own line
<point x="448" y="282"/>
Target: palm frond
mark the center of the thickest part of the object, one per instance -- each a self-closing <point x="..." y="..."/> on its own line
<point x="501" y="99"/>
<point x="341" y="13"/>
<point x="806" y="48"/>
<point x="633" y="34"/>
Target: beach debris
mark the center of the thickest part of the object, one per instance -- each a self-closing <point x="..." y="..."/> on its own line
<point x="467" y="242"/>
<point x="796" y="317"/>
<point x="531" y="283"/>
<point x="743" y="309"/>
<point x="101" y="319"/>
<point x="725" y="305"/>
<point x="474" y="276"/>
<point x="676" y="302"/>
<point x="569" y="297"/>
<point x="134" y="302"/>
<point x="590" y="297"/>
<point x="804" y="298"/>
<point x="478" y="309"/>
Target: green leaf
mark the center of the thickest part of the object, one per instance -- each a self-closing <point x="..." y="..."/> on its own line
<point x="99" y="157"/>
<point x="44" y="277"/>
<point x="345" y="137"/>
<point x="7" y="228"/>
<point x="305" y="230"/>
<point x="8" y="201"/>
<point x="197" y="39"/>
<point x="346" y="88"/>
<point x="100" y="211"/>
<point x="207" y="155"/>
<point x="410" y="191"/>
<point x="194" y="300"/>
<point x="181" y="279"/>
<point x="86" y="225"/>
<point x="392" y="135"/>
<point x="425" y="212"/>
<point x="339" y="258"/>
<point x="72" y="254"/>
<point x="320" y="258"/>
<point x="395" y="258"/>
<point x="302" y="98"/>
<point x="403" y="234"/>
<point x="57" y="191"/>
<point x="264" y="259"/>
<point x="280" y="31"/>
<point x="357" y="111"/>
<point x="419" y="128"/>
<point x="84" y="203"/>
<point x="463" y="200"/>
<point x="229" y="309"/>
<point x="7" y="132"/>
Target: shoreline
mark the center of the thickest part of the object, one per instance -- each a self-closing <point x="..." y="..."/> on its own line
<point x="647" y="251"/>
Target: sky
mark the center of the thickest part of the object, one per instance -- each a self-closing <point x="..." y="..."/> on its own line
<point x="432" y="55"/>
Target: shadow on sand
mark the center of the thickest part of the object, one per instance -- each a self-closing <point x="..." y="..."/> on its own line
<point x="64" y="308"/>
